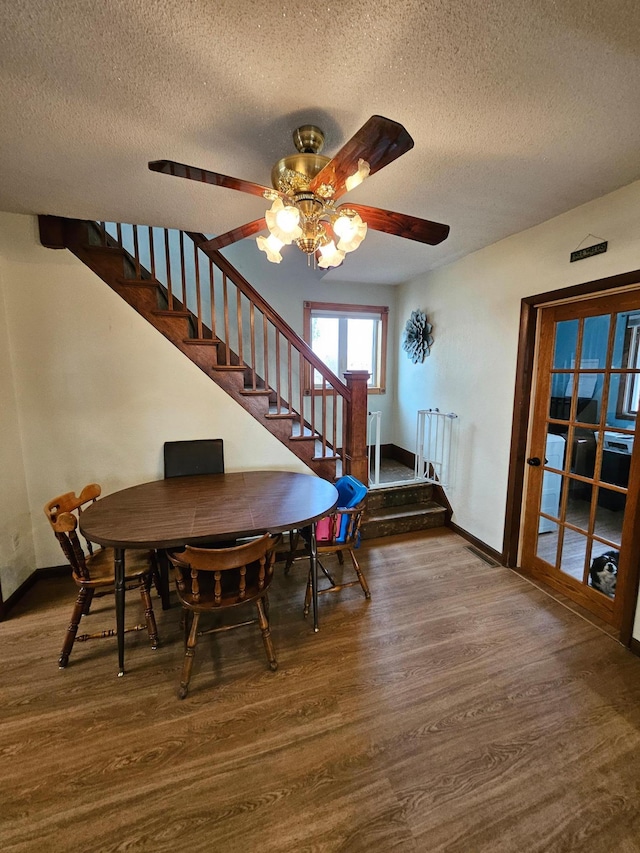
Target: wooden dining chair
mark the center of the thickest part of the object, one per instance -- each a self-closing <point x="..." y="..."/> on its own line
<point x="342" y="534"/>
<point x="93" y="571"/>
<point x="194" y="456"/>
<point x="336" y="533"/>
<point x="210" y="580"/>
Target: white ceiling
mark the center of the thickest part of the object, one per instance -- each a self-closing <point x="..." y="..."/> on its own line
<point x="520" y="109"/>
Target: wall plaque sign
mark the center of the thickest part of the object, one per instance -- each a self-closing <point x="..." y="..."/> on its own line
<point x="589" y="251"/>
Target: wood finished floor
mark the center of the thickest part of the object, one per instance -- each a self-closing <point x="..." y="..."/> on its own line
<point x="461" y="709"/>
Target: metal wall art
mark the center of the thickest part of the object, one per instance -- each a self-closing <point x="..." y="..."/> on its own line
<point x="417" y="337"/>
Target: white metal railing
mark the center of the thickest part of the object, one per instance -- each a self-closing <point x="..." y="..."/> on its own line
<point x="434" y="434"/>
<point x="373" y="447"/>
<point x="434" y="450"/>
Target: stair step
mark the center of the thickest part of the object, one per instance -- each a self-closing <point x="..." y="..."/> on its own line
<point x="164" y="312"/>
<point x="228" y="367"/>
<point x="138" y="282"/>
<point x="256" y="392"/>
<point x="282" y="415"/>
<point x="388" y="521"/>
<point x="107" y="250"/>
<point x="395" y="496"/>
<point x="207" y="342"/>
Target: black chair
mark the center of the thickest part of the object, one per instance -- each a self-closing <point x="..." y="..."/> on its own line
<point x="183" y="459"/>
<point x="199" y="456"/>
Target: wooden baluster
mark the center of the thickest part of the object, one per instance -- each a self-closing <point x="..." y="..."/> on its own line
<point x="344" y="409"/>
<point x="252" y="327"/>
<point x="278" y="383"/>
<point x="240" y="326"/>
<point x="196" y="265"/>
<point x="289" y="376"/>
<point x="225" y="302"/>
<point x="152" y="253"/>
<point x="301" y="371"/>
<point x="324" y="416"/>
<point x="167" y="255"/>
<point x="119" y="232"/>
<point x="334" y="434"/>
<point x="265" y="343"/>
<point x="212" y="299"/>
<point x="136" y="251"/>
<point x="183" y="277"/>
<point x="313" y="395"/>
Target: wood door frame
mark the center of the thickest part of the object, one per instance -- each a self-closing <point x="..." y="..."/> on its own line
<point x="530" y="306"/>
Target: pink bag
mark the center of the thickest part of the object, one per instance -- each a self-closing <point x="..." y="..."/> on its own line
<point x="325" y="527"/>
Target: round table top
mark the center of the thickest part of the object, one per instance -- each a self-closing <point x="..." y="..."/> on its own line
<point x="187" y="510"/>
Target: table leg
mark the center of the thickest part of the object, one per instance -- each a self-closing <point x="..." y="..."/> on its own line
<point x="313" y="551"/>
<point x="119" y="591"/>
<point x="163" y="564"/>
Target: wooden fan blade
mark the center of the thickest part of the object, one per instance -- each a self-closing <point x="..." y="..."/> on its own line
<point x="236" y="234"/>
<point x="193" y="173"/>
<point x="379" y="141"/>
<point x="401" y="224"/>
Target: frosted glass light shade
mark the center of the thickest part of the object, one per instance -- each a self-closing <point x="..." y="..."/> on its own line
<point x="271" y="247"/>
<point x="283" y="222"/>
<point x="351" y="230"/>
<point x="330" y="256"/>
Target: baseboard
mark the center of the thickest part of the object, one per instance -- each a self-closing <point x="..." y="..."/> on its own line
<point x="477" y="543"/>
<point x="398" y="454"/>
<point x="26" y="585"/>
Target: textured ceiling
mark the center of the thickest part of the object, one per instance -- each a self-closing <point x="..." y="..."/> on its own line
<point x="520" y="109"/>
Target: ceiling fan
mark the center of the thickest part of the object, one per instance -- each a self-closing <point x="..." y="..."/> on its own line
<point x="306" y="187"/>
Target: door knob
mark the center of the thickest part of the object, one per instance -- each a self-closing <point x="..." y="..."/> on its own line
<point x="533" y="460"/>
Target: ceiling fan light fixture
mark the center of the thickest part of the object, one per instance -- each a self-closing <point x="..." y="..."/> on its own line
<point x="358" y="176"/>
<point x="351" y="230"/>
<point x="306" y="188"/>
<point x="271" y="246"/>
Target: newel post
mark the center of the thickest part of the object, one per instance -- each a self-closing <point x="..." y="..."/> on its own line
<point x="356" y="425"/>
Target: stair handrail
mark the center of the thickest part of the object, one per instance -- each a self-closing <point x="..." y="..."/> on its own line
<point x="279" y="322"/>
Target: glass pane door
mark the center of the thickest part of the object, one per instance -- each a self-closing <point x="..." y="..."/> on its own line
<point x="582" y="443"/>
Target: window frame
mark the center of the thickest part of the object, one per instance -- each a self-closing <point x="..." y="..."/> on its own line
<point x="630" y="361"/>
<point x="341" y="310"/>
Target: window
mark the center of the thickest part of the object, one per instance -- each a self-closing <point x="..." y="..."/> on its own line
<point x="348" y="337"/>
<point x="629" y="396"/>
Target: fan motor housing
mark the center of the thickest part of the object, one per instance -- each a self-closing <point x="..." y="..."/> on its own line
<point x="294" y="173"/>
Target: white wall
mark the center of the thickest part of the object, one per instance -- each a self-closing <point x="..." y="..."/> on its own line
<point x="17" y="556"/>
<point x="474" y="305"/>
<point x="97" y="392"/>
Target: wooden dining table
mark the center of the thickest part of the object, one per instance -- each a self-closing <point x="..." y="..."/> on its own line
<point x="198" y="509"/>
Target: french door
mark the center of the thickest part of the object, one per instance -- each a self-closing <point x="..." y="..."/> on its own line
<point x="581" y="486"/>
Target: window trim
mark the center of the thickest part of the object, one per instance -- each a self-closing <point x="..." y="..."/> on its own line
<point x="341" y="308"/>
<point x="630" y="353"/>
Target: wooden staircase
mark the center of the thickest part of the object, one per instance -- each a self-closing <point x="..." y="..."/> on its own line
<point x="200" y="303"/>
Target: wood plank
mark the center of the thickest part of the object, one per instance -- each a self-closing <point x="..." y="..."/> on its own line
<point x="461" y="709"/>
